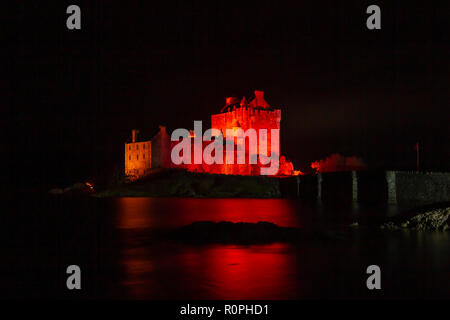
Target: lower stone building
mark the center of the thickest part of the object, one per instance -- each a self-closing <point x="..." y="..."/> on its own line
<point x="138" y="157"/>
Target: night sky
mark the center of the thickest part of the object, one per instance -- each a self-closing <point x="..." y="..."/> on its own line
<point x="73" y="96"/>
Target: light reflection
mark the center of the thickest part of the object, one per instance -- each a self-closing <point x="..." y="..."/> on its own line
<point x="211" y="272"/>
<point x="254" y="272"/>
<point x="168" y="213"/>
<point x="134" y="213"/>
<point x="220" y="271"/>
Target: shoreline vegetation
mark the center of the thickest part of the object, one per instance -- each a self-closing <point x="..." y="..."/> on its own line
<point x="180" y="183"/>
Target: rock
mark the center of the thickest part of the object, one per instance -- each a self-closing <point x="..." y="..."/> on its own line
<point x="390" y="226"/>
<point x="434" y="220"/>
<point x="79" y="186"/>
<point x="246" y="233"/>
<point x="75" y="189"/>
<point x="56" y="191"/>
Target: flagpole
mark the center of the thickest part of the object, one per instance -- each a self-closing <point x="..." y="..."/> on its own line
<point x="417" y="150"/>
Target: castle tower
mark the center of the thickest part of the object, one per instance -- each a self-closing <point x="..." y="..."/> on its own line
<point x="257" y="114"/>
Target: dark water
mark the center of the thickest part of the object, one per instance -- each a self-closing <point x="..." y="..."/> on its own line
<point x="117" y="245"/>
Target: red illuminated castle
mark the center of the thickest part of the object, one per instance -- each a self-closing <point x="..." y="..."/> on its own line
<point x="142" y="156"/>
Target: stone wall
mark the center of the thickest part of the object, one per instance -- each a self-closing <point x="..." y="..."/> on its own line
<point x="290" y="186"/>
<point x="406" y="190"/>
<point x="413" y="189"/>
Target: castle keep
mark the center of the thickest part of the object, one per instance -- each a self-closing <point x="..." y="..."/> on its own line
<point x="242" y="115"/>
<point x="140" y="157"/>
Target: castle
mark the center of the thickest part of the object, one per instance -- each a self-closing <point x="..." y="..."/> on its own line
<point x="142" y="156"/>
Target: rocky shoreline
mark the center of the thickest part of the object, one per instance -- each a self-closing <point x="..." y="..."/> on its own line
<point x="431" y="220"/>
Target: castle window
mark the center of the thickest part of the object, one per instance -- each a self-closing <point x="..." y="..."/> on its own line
<point x="137" y="157"/>
<point x="129" y="147"/>
<point x="137" y="147"/>
<point x="143" y="146"/>
<point x="143" y="155"/>
<point x="129" y="157"/>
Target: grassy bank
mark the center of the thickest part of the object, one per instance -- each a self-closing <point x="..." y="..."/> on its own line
<point x="180" y="183"/>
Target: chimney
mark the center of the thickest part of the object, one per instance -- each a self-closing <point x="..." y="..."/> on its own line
<point x="259" y="100"/>
<point x="259" y="95"/>
<point x="134" y="133"/>
<point x="244" y="102"/>
<point x="231" y="100"/>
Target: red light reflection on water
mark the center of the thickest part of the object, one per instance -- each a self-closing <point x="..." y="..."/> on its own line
<point x="210" y="272"/>
<point x="239" y="272"/>
<point x="134" y="213"/>
<point x="175" y="270"/>
<point x="176" y="212"/>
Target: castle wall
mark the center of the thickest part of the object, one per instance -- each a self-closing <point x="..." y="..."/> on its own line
<point x="247" y="118"/>
<point x="161" y="149"/>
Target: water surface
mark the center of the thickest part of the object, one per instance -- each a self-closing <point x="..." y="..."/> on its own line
<point x="116" y="244"/>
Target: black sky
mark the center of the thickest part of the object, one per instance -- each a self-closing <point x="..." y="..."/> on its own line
<point x="74" y="96"/>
